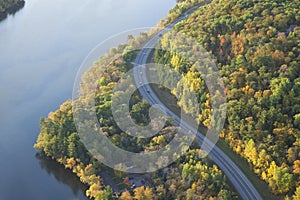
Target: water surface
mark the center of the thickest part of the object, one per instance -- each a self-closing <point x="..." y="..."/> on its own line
<point x="41" y="48"/>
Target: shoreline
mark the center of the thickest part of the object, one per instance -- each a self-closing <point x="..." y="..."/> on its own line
<point x="12" y="10"/>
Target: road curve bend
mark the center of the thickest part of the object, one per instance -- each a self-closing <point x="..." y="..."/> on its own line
<point x="241" y="183"/>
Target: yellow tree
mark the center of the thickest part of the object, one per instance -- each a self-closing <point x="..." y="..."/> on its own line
<point x="142" y="193"/>
<point x="148" y="193"/>
<point x="126" y="196"/>
<point x="296" y="167"/>
<point x="297" y="194"/>
<point x="250" y="152"/>
<point x="262" y="162"/>
<point x="279" y="179"/>
<point x="139" y="193"/>
<point x="71" y="162"/>
<point x="94" y="190"/>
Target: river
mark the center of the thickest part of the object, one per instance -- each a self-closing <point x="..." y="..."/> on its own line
<point x="41" y="49"/>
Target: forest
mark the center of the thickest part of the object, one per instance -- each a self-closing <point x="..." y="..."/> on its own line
<point x="255" y="45"/>
<point x="10" y="7"/>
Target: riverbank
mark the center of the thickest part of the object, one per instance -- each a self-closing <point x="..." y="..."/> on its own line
<point x="7" y="8"/>
<point x="42" y="46"/>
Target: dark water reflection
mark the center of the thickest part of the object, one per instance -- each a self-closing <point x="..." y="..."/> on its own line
<point x="61" y="174"/>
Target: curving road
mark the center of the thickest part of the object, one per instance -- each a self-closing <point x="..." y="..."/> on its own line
<point x="236" y="176"/>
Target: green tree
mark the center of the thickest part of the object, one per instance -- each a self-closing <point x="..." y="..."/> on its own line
<point x="105" y="194"/>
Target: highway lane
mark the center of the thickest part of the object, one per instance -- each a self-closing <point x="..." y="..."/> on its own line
<point x="242" y="184"/>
